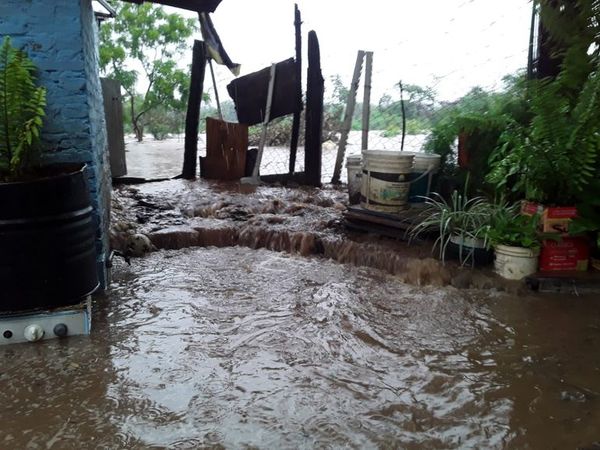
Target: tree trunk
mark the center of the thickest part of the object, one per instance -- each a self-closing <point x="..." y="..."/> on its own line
<point x="139" y="131"/>
<point x="137" y="128"/>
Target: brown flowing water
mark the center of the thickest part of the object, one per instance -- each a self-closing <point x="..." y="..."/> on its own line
<point x="241" y="348"/>
<point x="278" y="329"/>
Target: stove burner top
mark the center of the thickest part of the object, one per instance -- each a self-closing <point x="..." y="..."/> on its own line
<point x="41" y="325"/>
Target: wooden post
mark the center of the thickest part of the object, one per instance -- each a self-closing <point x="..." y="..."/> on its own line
<point x="550" y="52"/>
<point x="347" y="124"/>
<point x="403" y="107"/>
<point x="192" y="118"/>
<point x="531" y="51"/>
<point x="366" y="112"/>
<point x="314" y="113"/>
<point x="113" y="114"/>
<point x="296" y="121"/>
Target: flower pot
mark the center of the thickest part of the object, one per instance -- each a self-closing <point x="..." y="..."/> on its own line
<point x="515" y="263"/>
<point x="47" y="241"/>
<point x="469" y="251"/>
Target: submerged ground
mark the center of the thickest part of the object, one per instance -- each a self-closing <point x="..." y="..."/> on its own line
<point x="241" y="348"/>
<point x="262" y="323"/>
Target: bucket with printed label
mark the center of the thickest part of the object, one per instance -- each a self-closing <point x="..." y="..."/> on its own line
<point x="386" y="180"/>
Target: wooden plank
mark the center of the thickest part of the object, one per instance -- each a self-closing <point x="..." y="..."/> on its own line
<point x="397" y="224"/>
<point x="285" y="178"/>
<point x="315" y="89"/>
<point x="226" y="147"/>
<point x="381" y="230"/>
<point x="297" y="114"/>
<point x="574" y="283"/>
<point x="249" y="93"/>
<point x="347" y="123"/>
<point x="366" y="112"/>
<point x="113" y="114"/>
<point x="192" y="118"/>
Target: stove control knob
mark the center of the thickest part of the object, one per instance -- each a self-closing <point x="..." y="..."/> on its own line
<point x="34" y="333"/>
<point x="61" y="330"/>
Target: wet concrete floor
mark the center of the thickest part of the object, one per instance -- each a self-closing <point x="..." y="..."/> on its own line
<point x="241" y="348"/>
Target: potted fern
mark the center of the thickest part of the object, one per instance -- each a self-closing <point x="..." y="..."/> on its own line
<point x="47" y="247"/>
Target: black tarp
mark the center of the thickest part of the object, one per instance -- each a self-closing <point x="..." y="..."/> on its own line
<point x="249" y="93"/>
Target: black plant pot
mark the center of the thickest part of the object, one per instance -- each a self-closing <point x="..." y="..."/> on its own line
<point x="468" y="255"/>
<point x="47" y="241"/>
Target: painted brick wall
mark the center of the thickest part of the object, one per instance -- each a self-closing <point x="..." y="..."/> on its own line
<point x="60" y="36"/>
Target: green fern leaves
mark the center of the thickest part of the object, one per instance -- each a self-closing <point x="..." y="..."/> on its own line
<point x="554" y="157"/>
<point x="21" y="112"/>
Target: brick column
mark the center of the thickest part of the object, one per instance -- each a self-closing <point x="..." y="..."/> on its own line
<point x="61" y="37"/>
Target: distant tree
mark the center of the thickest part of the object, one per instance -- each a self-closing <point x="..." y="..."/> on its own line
<point x="419" y="102"/>
<point x="147" y="36"/>
<point x="420" y="106"/>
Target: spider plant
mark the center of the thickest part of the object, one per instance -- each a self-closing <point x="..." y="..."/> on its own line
<point x="462" y="218"/>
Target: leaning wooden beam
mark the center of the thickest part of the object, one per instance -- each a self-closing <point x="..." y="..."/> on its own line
<point x="214" y="81"/>
<point x="192" y="118"/>
<point x="366" y="112"/>
<point x="315" y="89"/>
<point x="263" y="134"/>
<point x="347" y="124"/>
<point x="254" y="179"/>
<point x="296" y="121"/>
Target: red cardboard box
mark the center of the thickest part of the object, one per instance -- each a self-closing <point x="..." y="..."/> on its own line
<point x="570" y="253"/>
<point x="557" y="219"/>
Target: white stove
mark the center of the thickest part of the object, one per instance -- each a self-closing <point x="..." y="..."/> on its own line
<point x="42" y="325"/>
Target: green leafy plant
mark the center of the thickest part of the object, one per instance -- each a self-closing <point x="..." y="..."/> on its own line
<point x="462" y="217"/>
<point x="508" y="227"/>
<point x="553" y="158"/>
<point x="21" y="112"/>
<point x="588" y="214"/>
<point x="479" y="118"/>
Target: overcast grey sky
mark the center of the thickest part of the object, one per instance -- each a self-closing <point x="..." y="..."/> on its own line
<point x="452" y="44"/>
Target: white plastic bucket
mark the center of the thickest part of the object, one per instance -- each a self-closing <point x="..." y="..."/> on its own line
<point x="425" y="168"/>
<point x="426" y="162"/>
<point x="354" y="168"/>
<point x="515" y="263"/>
<point x="385" y="180"/>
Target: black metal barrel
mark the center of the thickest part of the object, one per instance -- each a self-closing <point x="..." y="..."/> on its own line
<point x="47" y="242"/>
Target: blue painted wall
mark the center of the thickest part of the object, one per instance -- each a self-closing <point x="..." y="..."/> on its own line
<point x="61" y="37"/>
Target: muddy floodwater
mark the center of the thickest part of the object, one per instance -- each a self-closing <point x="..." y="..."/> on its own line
<point x="241" y="348"/>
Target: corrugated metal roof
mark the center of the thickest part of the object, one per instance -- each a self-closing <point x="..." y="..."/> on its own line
<point x="191" y="5"/>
